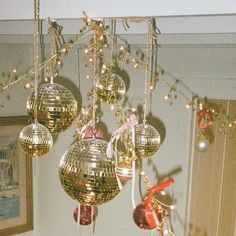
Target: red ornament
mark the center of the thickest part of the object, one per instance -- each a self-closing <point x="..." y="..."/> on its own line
<point x="145" y="215"/>
<point x="86" y="212"/>
<point x="96" y="132"/>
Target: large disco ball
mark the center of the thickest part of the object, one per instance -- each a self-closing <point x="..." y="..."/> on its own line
<point x="86" y="174"/>
<point x="35" y="139"/>
<point x="147" y="140"/>
<point x="57" y="107"/>
<point x="111" y="89"/>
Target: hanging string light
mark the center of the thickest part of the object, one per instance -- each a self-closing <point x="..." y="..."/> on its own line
<point x="111" y="87"/>
<point x="35" y="139"/>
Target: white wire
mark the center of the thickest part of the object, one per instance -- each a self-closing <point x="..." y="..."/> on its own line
<point x="133" y="184"/>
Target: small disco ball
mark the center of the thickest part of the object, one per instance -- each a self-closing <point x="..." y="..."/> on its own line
<point x="111" y="89"/>
<point x="35" y="140"/>
<point x="86" y="174"/>
<point x="57" y="107"/>
<point x="147" y="140"/>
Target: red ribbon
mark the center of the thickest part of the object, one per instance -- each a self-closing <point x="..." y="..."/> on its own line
<point x="157" y="188"/>
<point x="205" y="118"/>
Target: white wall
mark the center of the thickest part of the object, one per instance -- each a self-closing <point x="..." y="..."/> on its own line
<point x="56" y="208"/>
<point x="53" y="208"/>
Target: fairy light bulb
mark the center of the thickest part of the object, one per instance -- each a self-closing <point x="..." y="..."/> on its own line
<point x="187" y="106"/>
<point x="27" y="86"/>
<point x="165" y="231"/>
<point x="163" y="193"/>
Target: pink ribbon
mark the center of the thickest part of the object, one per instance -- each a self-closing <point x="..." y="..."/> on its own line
<point x="116" y="135"/>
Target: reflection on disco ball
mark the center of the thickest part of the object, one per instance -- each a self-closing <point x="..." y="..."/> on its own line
<point x="35" y="140"/>
<point x="111" y="89"/>
<point x="86" y="174"/>
<point x="57" y="107"/>
<point x="147" y="140"/>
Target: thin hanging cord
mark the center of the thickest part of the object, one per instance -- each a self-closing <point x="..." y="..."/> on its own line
<point x="94" y="89"/>
<point x="133" y="185"/>
<point x="151" y="40"/>
<point x="112" y="35"/>
<point x="36" y="55"/>
<point x="78" y="216"/>
<point x="147" y="71"/>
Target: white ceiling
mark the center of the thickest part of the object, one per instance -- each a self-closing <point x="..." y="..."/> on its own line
<point x="23" y="9"/>
<point x="202" y="47"/>
<point x="211" y="30"/>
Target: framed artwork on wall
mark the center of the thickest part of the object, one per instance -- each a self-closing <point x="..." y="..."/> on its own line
<point x="16" y="202"/>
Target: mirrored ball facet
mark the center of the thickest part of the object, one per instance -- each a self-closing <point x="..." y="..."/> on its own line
<point x="111" y="89"/>
<point x="57" y="107"/>
<point x="35" y="140"/>
<point x="147" y="140"/>
<point x="86" y="174"/>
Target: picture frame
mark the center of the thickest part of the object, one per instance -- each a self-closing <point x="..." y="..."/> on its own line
<point x="16" y="187"/>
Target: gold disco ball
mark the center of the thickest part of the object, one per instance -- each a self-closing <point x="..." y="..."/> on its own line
<point x="86" y="174"/>
<point x="111" y="89"/>
<point x="57" y="107"/>
<point x="35" y="139"/>
<point x="147" y="140"/>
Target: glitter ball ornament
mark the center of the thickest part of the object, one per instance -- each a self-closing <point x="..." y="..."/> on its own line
<point x="35" y="140"/>
<point x="57" y="107"/>
<point x="146" y="217"/>
<point x="87" y="214"/>
<point x="111" y="89"/>
<point x="147" y="140"/>
<point x="86" y="174"/>
<point x="202" y="143"/>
